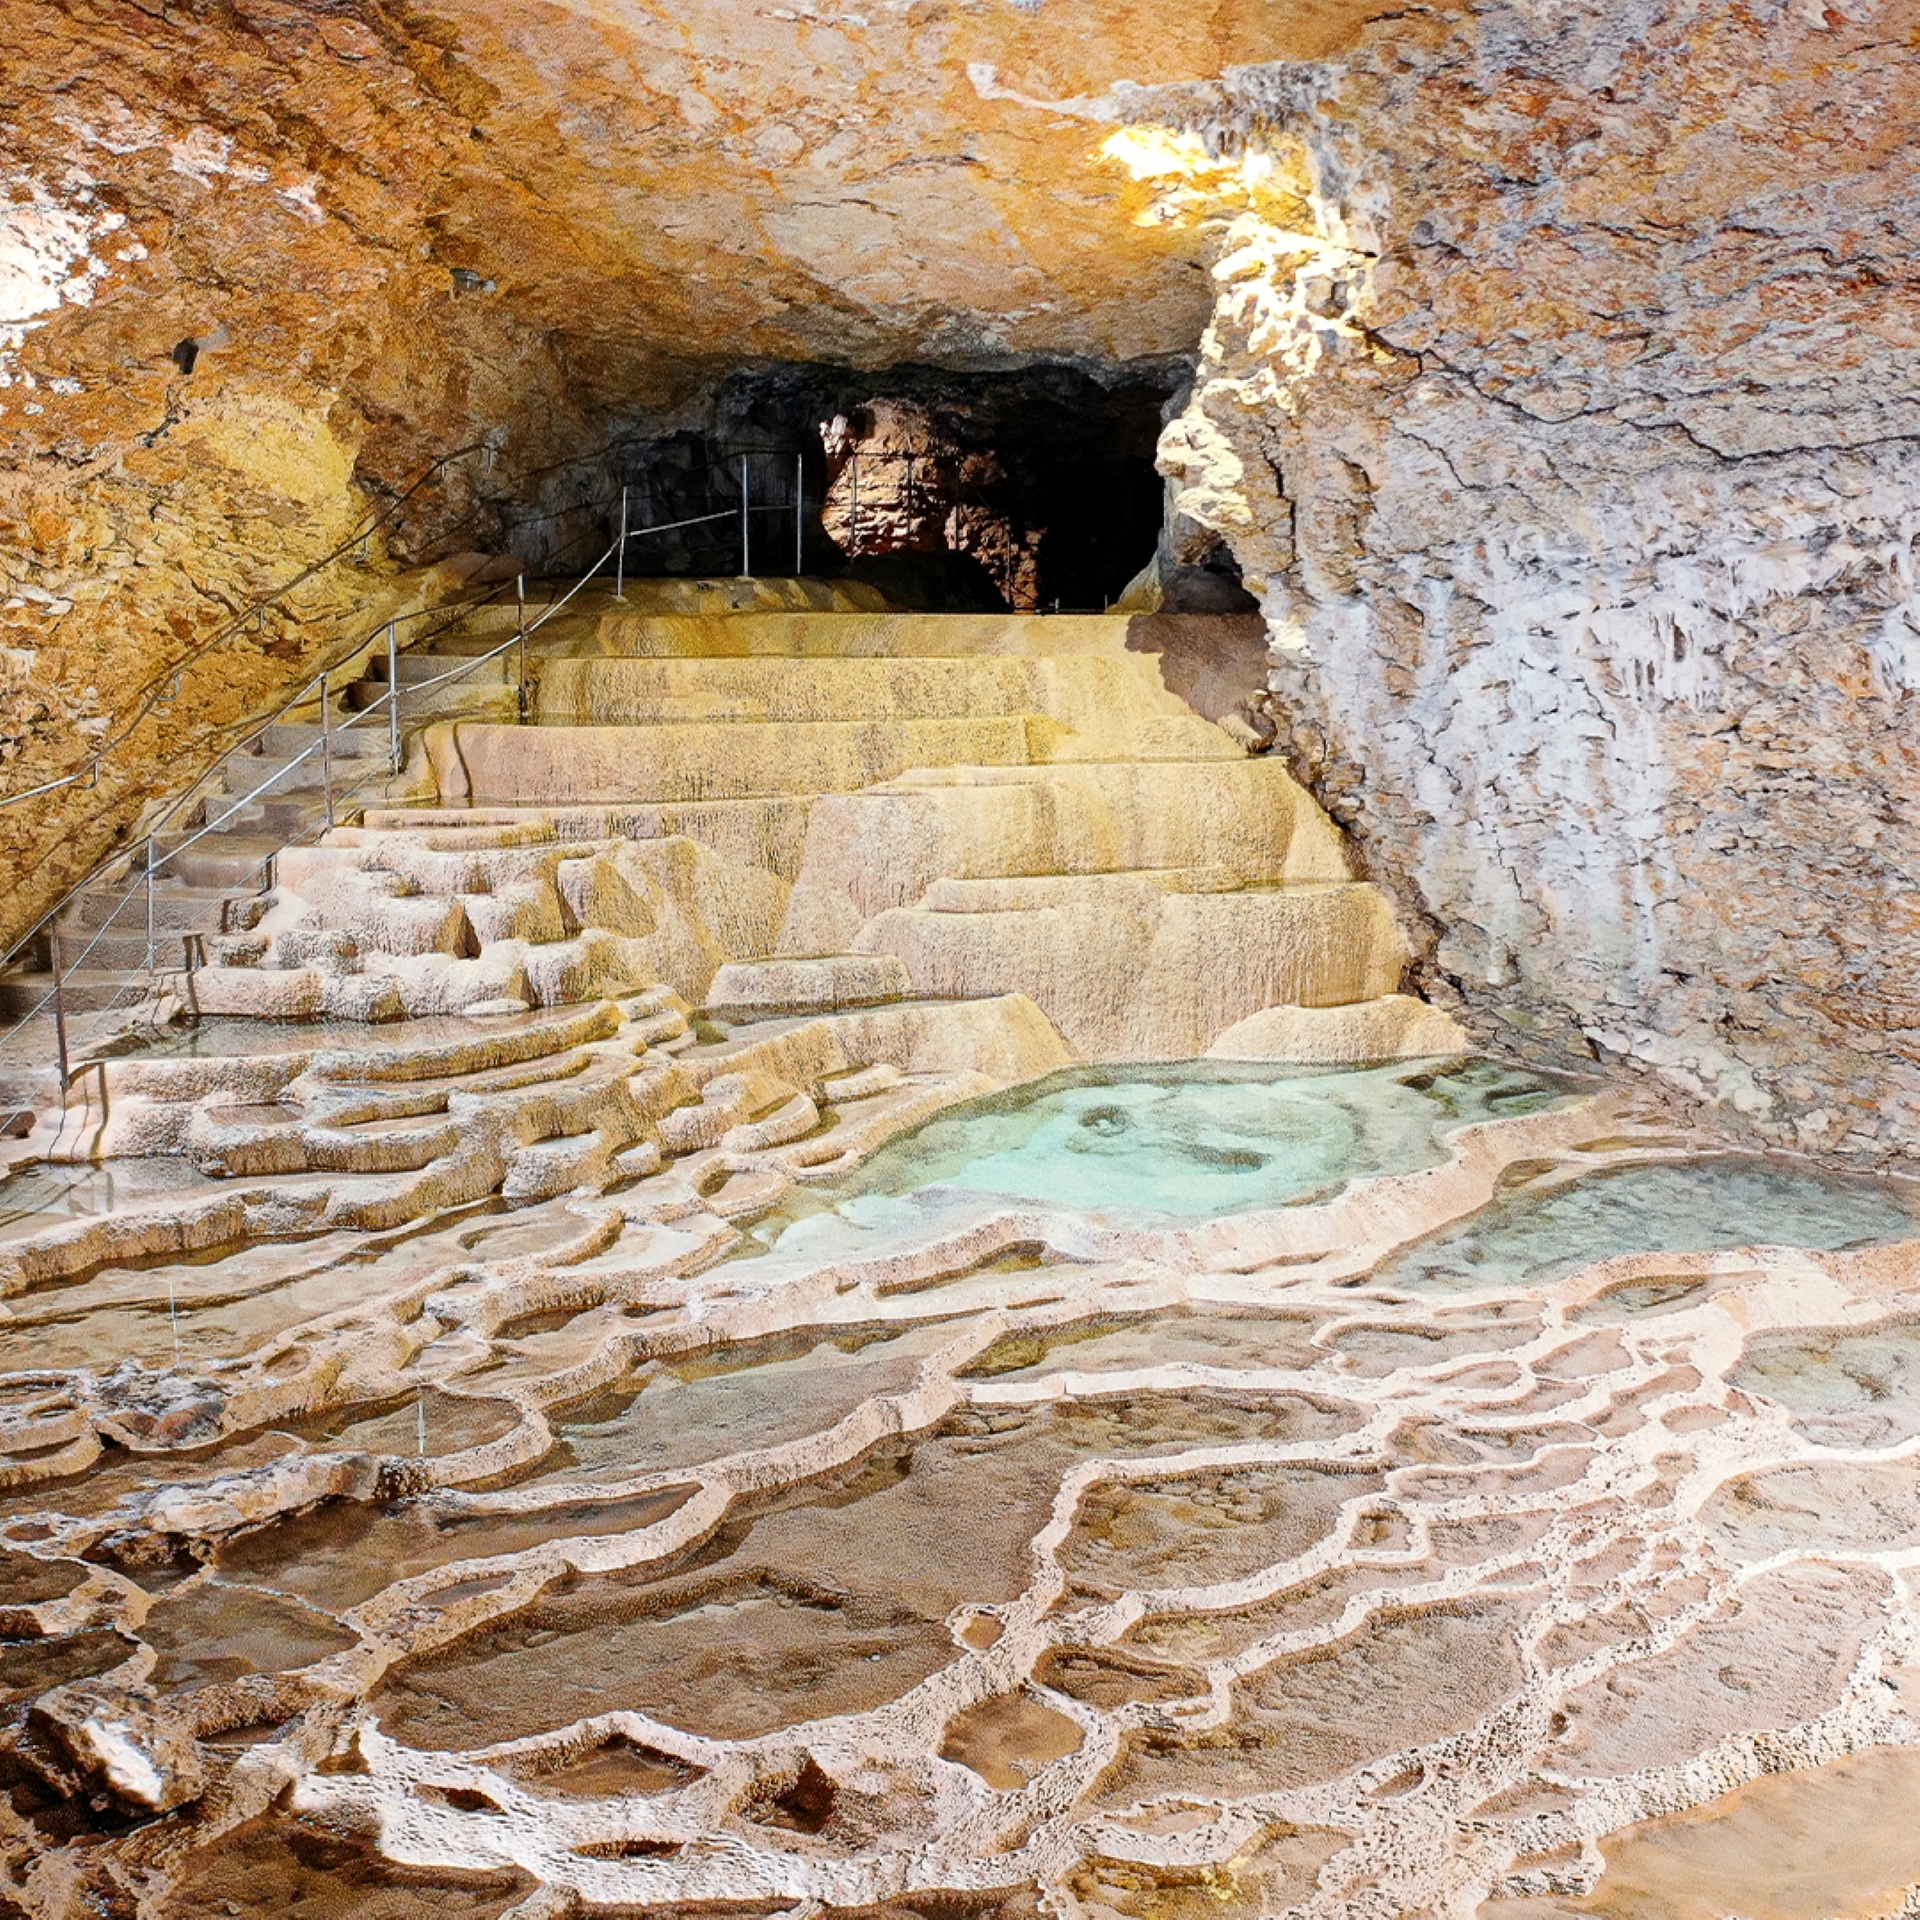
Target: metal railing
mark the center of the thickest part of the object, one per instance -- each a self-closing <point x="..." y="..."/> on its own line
<point x="148" y="864"/>
<point x="144" y="867"/>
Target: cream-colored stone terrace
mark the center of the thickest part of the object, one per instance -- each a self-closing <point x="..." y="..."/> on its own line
<point x="776" y="811"/>
<point x="486" y="1429"/>
<point x="944" y="853"/>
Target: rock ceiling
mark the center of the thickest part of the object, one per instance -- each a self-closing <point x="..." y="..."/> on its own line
<point x="1557" y="392"/>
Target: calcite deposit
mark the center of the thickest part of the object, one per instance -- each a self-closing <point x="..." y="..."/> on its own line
<point x="717" y="1349"/>
<point x="789" y="1247"/>
<point x="600" y="1555"/>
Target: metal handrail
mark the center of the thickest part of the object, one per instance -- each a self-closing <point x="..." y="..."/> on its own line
<point x="62" y="968"/>
<point x="148" y="696"/>
<point x="277" y="718"/>
<point x="150" y="869"/>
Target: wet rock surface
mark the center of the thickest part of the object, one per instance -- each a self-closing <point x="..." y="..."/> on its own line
<point x="961" y="1546"/>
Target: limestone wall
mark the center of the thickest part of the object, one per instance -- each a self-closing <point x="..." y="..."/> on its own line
<point x="1561" y="402"/>
<point x="260" y="262"/>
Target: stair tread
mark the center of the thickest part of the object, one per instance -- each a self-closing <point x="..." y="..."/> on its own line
<point x="164" y="885"/>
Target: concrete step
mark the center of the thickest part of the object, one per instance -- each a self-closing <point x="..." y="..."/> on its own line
<point x="486" y="700"/>
<point x="232" y="862"/>
<point x="362" y="742"/>
<point x="86" y="990"/>
<point x="277" y="817"/>
<point x="272" y="773"/>
<point x="442" y="658"/>
<point x="124" y="946"/>
<point x="175" y="906"/>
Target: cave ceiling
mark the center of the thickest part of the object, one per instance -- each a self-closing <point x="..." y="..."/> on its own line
<point x="417" y="209"/>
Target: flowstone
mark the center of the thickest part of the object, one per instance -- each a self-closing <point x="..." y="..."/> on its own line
<point x="1139" y="1493"/>
<point x="674" y="1385"/>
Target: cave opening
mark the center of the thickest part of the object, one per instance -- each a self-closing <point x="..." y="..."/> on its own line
<point x="1031" y="489"/>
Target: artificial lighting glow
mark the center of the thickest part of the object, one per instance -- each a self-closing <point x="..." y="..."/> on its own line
<point x="1153" y="153"/>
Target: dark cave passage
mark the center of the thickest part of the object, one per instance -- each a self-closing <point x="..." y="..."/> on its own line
<point x="1032" y="488"/>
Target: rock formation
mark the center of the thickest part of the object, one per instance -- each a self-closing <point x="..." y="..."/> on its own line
<point x="818" y="1259"/>
<point x="1560" y="399"/>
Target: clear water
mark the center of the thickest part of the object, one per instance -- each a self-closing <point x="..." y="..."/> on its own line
<point x="1845" y="1389"/>
<point x="1195" y="1139"/>
<point x="1696" y="1206"/>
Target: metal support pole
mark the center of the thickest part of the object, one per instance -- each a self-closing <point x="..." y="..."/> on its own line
<point x="853" y="533"/>
<point x="620" y="565"/>
<point x="799" y="520"/>
<point x="59" y="1007"/>
<point x="520" y="600"/>
<point x="746" y="544"/>
<point x="326" y="750"/>
<point x="149" y="903"/>
<point x="393" y="700"/>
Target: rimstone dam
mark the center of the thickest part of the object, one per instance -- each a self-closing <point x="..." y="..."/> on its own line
<point x="958" y="960"/>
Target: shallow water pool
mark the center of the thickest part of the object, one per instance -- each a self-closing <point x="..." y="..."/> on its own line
<point x="1696" y="1206"/>
<point x="1196" y="1139"/>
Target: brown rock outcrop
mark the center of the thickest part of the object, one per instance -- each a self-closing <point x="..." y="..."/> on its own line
<point x="1560" y="400"/>
<point x="1558" y="396"/>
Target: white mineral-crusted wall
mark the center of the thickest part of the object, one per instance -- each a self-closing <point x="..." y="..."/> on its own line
<point x="1566" y="424"/>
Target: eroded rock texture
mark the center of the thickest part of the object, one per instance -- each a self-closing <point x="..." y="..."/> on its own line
<point x="1560" y="395"/>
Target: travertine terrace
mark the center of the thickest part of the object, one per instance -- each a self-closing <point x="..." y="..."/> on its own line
<point x="957" y="961"/>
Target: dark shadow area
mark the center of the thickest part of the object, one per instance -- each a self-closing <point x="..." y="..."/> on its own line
<point x="1032" y="488"/>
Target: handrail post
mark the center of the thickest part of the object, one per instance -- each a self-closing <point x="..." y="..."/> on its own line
<point x="326" y="747"/>
<point x="59" y="1008"/>
<point x="746" y="548"/>
<point x="393" y="701"/>
<point x="853" y="531"/>
<point x="150" y="947"/>
<point x="520" y="597"/>
<point x="620" y="565"/>
<point x="799" y="514"/>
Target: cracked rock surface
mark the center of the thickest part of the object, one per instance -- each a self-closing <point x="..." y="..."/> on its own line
<point x="1559" y="397"/>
